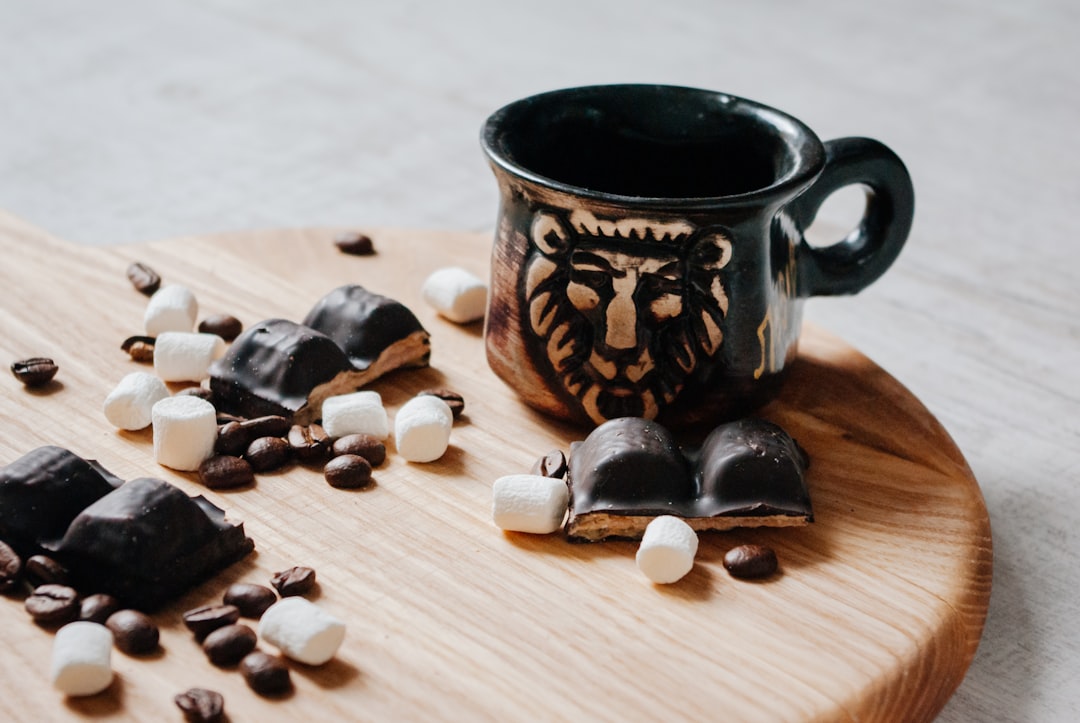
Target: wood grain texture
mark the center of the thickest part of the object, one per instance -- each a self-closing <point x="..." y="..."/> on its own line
<point x="876" y="615"/>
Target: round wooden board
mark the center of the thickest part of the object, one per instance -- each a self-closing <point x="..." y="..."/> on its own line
<point x="875" y="615"/>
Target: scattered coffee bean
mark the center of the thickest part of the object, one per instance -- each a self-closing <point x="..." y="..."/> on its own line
<point x="34" y="372"/>
<point x="250" y="599"/>
<point x="11" y="568"/>
<point x="224" y="418"/>
<point x="143" y="278"/>
<point x="355" y="244"/>
<point x="229" y="644"/>
<point x="750" y="561"/>
<point x="309" y="444"/>
<point x="552" y="464"/>
<point x="200" y="392"/>
<point x="266" y="454"/>
<point x="223" y="472"/>
<point x="236" y="436"/>
<point x="98" y="607"/>
<point x="294" y="581"/>
<point x="455" y="401"/>
<point x="348" y="472"/>
<point x="43" y="570"/>
<point x="53" y="604"/>
<point x="367" y="446"/>
<point x="133" y="632"/>
<point x="206" y="619"/>
<point x="226" y="326"/>
<point x="265" y="674"/>
<point x="139" y="348"/>
<point x="200" y="705"/>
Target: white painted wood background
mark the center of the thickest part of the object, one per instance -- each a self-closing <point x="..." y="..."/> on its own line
<point x="125" y="121"/>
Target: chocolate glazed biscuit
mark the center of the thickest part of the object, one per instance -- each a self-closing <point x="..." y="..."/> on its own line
<point x="628" y="471"/>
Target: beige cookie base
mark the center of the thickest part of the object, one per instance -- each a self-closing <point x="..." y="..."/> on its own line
<point x="875" y="615"/>
<point x="597" y="526"/>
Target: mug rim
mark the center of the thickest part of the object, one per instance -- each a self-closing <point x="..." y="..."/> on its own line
<point x="805" y="147"/>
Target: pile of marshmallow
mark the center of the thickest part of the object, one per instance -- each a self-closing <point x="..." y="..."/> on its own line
<point x="537" y="504"/>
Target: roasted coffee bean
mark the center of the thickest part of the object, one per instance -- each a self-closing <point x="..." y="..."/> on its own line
<point x="750" y="561"/>
<point x="226" y="326"/>
<point x="453" y="400"/>
<point x="143" y="278"/>
<point x="265" y="674"/>
<point x="200" y="392"/>
<point x="266" y="454"/>
<point x="43" y="570"/>
<point x="552" y="464"/>
<point x="200" y="705"/>
<point x="139" y="348"/>
<point x="294" y="581"/>
<point x="34" y="372"/>
<point x="365" y="445"/>
<point x="98" y="607"/>
<point x="222" y="472"/>
<point x="11" y="568"/>
<point x="53" y="604"/>
<point x="309" y="443"/>
<point x="235" y="437"/>
<point x="348" y="472"/>
<point x="228" y="645"/>
<point x="250" y="599"/>
<point x="355" y="244"/>
<point x="133" y="632"/>
<point x="206" y="619"/>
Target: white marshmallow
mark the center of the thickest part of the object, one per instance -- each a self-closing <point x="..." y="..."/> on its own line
<point x="185" y="356"/>
<point x="82" y="658"/>
<point x="185" y="429"/>
<point x="302" y="630"/>
<point x="422" y="428"/>
<point x="456" y="294"/>
<point x="667" y="549"/>
<point x="529" y="503"/>
<point x="171" y="308"/>
<point x="128" y="405"/>
<point x="355" y="413"/>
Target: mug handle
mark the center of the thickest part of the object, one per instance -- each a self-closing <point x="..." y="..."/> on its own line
<point x="854" y="262"/>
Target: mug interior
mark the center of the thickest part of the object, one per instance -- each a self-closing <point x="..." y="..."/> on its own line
<point x="646" y="141"/>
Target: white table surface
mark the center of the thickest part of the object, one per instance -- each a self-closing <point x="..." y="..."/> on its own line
<point x="125" y="121"/>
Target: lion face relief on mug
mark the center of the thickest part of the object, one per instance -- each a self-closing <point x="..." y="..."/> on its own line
<point x="624" y="309"/>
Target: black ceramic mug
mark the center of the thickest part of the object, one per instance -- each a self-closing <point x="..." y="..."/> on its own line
<point x="649" y="257"/>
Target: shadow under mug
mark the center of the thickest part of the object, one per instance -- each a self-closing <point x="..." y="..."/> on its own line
<point x="649" y="257"/>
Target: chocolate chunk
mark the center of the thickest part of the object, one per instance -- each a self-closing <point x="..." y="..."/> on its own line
<point x="371" y="329"/>
<point x="627" y="471"/>
<point x="748" y="473"/>
<point x="273" y="367"/>
<point x="147" y="541"/>
<point x="43" y="491"/>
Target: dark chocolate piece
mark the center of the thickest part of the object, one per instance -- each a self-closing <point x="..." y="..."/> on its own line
<point x="147" y="542"/>
<point x="272" y="368"/>
<point x="350" y="338"/>
<point x="748" y="473"/>
<point x="367" y="325"/>
<point x="43" y="491"/>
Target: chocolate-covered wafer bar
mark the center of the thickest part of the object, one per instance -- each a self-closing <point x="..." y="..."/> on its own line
<point x="629" y="471"/>
<point x="350" y="338"/>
